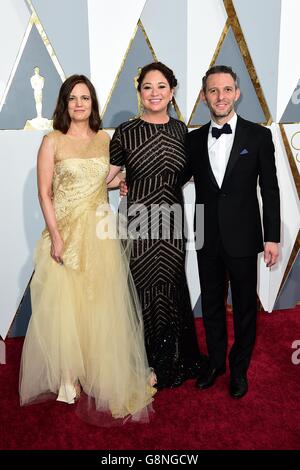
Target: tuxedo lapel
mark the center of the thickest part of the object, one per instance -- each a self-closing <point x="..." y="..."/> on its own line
<point x="206" y="155"/>
<point x="238" y="143"/>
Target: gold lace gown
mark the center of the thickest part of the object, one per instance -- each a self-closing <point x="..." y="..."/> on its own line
<point x="86" y="322"/>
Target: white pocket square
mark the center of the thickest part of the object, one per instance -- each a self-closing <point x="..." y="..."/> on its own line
<point x="244" y="152"/>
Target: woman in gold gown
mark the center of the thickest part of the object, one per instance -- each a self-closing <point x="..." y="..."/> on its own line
<point x="86" y="330"/>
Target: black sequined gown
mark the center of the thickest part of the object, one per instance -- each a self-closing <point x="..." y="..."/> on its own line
<point x="154" y="157"/>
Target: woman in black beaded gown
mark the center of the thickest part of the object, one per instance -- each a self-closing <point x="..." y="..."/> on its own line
<point x="152" y="150"/>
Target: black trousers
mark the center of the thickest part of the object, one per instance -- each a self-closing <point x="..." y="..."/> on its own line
<point x="214" y="271"/>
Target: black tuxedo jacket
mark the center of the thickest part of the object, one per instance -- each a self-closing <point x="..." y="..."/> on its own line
<point x="231" y="213"/>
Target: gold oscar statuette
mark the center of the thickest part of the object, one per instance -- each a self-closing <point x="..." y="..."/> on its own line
<point x="39" y="122"/>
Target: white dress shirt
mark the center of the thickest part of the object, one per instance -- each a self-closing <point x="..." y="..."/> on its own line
<point x="219" y="149"/>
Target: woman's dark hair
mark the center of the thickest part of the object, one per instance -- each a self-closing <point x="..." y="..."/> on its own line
<point x="167" y="73"/>
<point x="61" y="118"/>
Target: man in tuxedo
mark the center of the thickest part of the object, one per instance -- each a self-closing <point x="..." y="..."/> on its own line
<point x="227" y="157"/>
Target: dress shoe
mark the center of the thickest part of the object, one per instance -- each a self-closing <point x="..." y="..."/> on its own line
<point x="238" y="386"/>
<point x="178" y="380"/>
<point x="208" y="376"/>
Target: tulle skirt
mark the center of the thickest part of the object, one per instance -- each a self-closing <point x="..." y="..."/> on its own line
<point x="86" y="330"/>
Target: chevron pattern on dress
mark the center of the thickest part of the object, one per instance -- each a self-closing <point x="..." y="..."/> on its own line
<point x="154" y="157"/>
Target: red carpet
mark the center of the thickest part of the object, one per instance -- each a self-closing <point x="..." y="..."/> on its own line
<point x="268" y="417"/>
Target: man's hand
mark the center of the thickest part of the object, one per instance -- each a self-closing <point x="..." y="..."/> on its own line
<point x="271" y="253"/>
<point x="123" y="188"/>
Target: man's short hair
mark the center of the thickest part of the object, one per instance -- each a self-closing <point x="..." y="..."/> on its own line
<point x="219" y="69"/>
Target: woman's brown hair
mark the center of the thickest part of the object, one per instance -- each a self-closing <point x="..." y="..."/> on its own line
<point x="61" y="118"/>
<point x="166" y="71"/>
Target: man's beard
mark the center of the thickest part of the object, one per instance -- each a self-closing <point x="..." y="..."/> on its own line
<point x="222" y="114"/>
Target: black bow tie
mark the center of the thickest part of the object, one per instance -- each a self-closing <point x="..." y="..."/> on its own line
<point x="216" y="132"/>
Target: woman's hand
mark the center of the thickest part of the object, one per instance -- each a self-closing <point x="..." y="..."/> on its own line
<point x="115" y="183"/>
<point x="123" y="188"/>
<point x="57" y="246"/>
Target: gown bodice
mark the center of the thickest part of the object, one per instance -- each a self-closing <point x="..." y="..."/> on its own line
<point x="79" y="186"/>
<point x="81" y="167"/>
